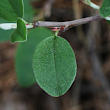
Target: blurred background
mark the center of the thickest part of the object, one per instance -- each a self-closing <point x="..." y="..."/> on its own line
<point x="91" y="44"/>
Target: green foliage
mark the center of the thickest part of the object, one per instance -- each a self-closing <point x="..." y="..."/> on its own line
<point x="54" y="60"/>
<point x="105" y="8"/>
<point x="24" y="56"/>
<point x="28" y="14"/>
<point x="20" y="34"/>
<point x="11" y="9"/>
<point x="54" y="65"/>
<point x="5" y="35"/>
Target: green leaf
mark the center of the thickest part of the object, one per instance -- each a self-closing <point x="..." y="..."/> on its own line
<point x="24" y="56"/>
<point x="20" y="34"/>
<point x="54" y="65"/>
<point x="105" y="8"/>
<point x="11" y="9"/>
<point x="5" y="35"/>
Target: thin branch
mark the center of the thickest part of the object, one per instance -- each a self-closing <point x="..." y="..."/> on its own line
<point x="60" y="25"/>
<point x="91" y="4"/>
<point x="67" y="24"/>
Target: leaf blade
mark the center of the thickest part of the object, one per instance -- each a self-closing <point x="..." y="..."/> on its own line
<point x="18" y="7"/>
<point x="20" y="34"/>
<point x="10" y="10"/>
<point x="105" y="8"/>
<point x="49" y="67"/>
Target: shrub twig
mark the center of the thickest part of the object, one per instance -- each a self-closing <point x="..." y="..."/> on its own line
<point x="68" y="24"/>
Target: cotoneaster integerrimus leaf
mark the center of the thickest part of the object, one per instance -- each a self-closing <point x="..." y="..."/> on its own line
<point x="19" y="34"/>
<point x="11" y="9"/>
<point x="54" y="65"/>
<point x="105" y="8"/>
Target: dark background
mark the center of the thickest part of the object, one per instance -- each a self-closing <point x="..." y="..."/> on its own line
<point x="91" y="44"/>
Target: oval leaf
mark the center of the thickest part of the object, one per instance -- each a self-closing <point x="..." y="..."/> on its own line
<point x="20" y="34"/>
<point x="105" y="8"/>
<point x="11" y="9"/>
<point x="54" y="65"/>
<point x="24" y="56"/>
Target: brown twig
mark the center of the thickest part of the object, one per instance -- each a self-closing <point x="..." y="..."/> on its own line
<point x="67" y="24"/>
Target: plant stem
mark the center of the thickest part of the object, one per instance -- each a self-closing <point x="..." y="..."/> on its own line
<point x="91" y="4"/>
<point x="56" y="33"/>
<point x="67" y="24"/>
<point x="94" y="6"/>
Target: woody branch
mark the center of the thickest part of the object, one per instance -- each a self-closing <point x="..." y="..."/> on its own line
<point x="68" y="24"/>
<point x="61" y="25"/>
